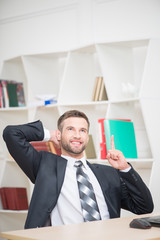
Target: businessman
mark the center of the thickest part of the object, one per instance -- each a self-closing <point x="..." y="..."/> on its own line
<point x="68" y="189"/>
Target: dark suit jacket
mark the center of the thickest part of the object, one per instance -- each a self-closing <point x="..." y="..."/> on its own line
<point x="47" y="170"/>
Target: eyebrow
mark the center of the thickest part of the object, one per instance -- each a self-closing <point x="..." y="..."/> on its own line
<point x="80" y="128"/>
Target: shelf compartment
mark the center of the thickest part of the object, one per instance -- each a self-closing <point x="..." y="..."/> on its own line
<point x="122" y="66"/>
<point x="13" y="69"/>
<point x="15" y="116"/>
<point x="81" y="70"/>
<point x="48" y="115"/>
<point x="12" y="220"/>
<point x="133" y="110"/>
<point x="44" y="73"/>
<point x="13" y="176"/>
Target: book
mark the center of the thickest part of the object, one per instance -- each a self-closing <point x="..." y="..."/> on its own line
<point x="99" y="92"/>
<point x="12" y="93"/>
<point x="124" y="136"/>
<point x="5" y="97"/>
<point x="20" y="94"/>
<point x="41" y="146"/>
<point x="95" y="88"/>
<point x="3" y="198"/>
<point x="100" y="79"/>
<point x="54" y="149"/>
<point x="46" y="146"/>
<point x="102" y="139"/>
<point x="1" y="100"/>
<point x="14" y="198"/>
<point x="102" y="92"/>
<point x="90" y="152"/>
<point x="2" y="95"/>
<point x="22" y="201"/>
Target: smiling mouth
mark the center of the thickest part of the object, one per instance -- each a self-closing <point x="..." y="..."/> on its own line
<point x="76" y="143"/>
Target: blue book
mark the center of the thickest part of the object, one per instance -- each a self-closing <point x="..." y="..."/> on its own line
<point x="124" y="136"/>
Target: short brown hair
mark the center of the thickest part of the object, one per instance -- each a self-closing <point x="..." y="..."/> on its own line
<point x="71" y="113"/>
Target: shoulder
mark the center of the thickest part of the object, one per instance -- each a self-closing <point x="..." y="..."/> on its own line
<point x="102" y="168"/>
<point x="106" y="173"/>
<point x="51" y="159"/>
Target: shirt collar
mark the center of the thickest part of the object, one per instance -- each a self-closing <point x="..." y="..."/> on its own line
<point x="71" y="160"/>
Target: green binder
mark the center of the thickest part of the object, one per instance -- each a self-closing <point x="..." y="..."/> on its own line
<point x="124" y="136"/>
<point x="12" y="94"/>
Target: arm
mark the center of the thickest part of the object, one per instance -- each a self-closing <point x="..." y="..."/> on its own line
<point x="136" y="197"/>
<point x="17" y="138"/>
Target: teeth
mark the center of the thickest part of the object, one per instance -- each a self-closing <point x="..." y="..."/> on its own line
<point x="76" y="142"/>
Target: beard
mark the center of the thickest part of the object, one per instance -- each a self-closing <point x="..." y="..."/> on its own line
<point x="72" y="150"/>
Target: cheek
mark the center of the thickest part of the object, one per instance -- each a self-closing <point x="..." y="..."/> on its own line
<point x="87" y="139"/>
<point x="64" y="137"/>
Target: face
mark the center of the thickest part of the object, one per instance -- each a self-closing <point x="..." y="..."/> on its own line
<point x="74" y="137"/>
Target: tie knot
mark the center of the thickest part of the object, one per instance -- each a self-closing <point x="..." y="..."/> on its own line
<point x="78" y="163"/>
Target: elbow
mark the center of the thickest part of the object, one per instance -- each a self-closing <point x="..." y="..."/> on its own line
<point x="6" y="132"/>
<point x="151" y="208"/>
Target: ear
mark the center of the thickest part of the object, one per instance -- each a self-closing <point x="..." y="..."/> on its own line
<point x="58" y="135"/>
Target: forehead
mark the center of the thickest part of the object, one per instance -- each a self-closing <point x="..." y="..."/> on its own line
<point x="75" y="122"/>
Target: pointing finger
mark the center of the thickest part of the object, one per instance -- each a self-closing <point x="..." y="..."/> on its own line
<point x="112" y="143"/>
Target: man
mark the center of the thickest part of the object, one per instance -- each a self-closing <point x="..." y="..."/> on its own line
<point x="56" y="197"/>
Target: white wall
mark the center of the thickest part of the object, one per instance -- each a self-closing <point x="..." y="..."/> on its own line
<point x="28" y="26"/>
<point x="39" y="26"/>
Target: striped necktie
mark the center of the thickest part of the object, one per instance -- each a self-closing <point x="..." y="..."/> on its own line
<point x="88" y="200"/>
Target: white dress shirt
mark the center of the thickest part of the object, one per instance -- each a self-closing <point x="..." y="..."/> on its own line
<point x="68" y="207"/>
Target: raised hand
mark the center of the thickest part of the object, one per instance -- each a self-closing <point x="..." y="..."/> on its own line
<point x="116" y="157"/>
<point x="54" y="139"/>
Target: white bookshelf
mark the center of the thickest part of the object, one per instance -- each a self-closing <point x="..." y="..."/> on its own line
<point x="131" y="75"/>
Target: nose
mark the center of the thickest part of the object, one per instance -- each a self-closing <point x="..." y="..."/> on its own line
<point x="77" y="134"/>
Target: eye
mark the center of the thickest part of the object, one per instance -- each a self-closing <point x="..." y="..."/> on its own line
<point x="70" y="128"/>
<point x="84" y="130"/>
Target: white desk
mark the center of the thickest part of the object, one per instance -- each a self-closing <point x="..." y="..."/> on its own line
<point x="112" y="229"/>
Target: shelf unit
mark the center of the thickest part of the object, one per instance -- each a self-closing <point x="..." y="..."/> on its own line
<point x="131" y="75"/>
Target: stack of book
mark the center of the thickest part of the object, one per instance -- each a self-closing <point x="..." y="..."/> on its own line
<point x="90" y="152"/>
<point x="99" y="92"/>
<point x="11" y="94"/>
<point x="14" y="198"/>
<point x="46" y="146"/>
<point x="124" y="137"/>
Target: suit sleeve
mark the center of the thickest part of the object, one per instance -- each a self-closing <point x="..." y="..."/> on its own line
<point x="18" y="138"/>
<point x="136" y="196"/>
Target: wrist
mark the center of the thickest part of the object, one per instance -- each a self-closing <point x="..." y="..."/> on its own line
<point x="126" y="168"/>
<point x="47" y="135"/>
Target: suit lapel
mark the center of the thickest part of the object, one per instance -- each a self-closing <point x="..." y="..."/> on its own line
<point x="105" y="188"/>
<point x="99" y="175"/>
<point x="61" y="168"/>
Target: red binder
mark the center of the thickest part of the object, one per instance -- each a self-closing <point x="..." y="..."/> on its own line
<point x="3" y="198"/>
<point x="103" y="146"/>
<point x="103" y="149"/>
<point x="46" y="146"/>
<point x="14" y="198"/>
